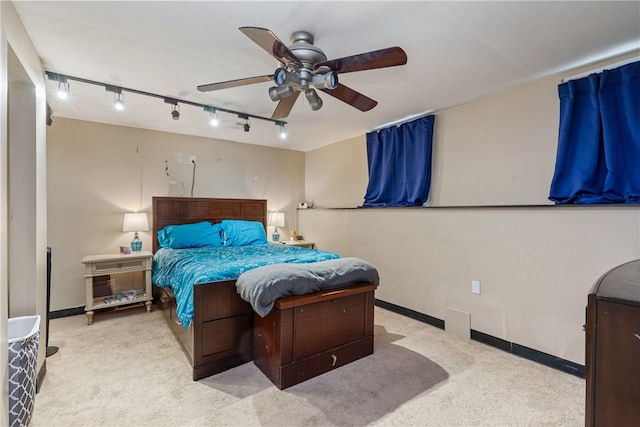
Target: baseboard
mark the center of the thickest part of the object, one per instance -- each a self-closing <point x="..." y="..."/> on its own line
<point x="545" y="359"/>
<point x="530" y="354"/>
<point x="424" y="318"/>
<point x="66" y="312"/>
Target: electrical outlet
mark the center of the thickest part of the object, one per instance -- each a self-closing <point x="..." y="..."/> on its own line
<point x="475" y="287"/>
<point x="192" y="159"/>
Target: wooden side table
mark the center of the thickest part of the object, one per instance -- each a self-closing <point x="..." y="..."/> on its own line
<point x="302" y="243"/>
<point x="114" y="280"/>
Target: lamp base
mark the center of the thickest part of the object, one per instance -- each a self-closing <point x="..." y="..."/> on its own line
<point x="136" y="243"/>
<point x="275" y="236"/>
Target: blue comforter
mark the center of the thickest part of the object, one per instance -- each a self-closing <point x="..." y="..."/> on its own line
<point x="181" y="269"/>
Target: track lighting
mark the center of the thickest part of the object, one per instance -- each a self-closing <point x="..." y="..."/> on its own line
<point x="314" y="100"/>
<point x="282" y="131"/>
<point x="63" y="85"/>
<point x="63" y="89"/>
<point x="246" y="126"/>
<point x="175" y="109"/>
<point x="213" y="116"/>
<point x="118" y="104"/>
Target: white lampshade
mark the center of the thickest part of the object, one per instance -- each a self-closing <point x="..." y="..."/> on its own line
<point x="135" y="222"/>
<point x="276" y="219"/>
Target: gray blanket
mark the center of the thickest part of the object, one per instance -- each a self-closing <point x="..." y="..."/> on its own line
<point x="264" y="285"/>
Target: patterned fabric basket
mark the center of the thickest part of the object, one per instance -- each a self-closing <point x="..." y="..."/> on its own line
<point x="24" y="339"/>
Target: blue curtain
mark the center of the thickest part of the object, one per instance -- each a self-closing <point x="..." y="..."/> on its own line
<point x="598" y="159"/>
<point x="399" y="161"/>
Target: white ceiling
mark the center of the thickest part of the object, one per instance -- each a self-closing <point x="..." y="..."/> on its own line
<point x="457" y="52"/>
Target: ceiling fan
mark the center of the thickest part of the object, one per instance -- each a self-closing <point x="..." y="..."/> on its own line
<point x="305" y="67"/>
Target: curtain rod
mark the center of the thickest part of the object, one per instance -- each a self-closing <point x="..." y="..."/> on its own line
<point x="403" y="120"/>
<point x="601" y="69"/>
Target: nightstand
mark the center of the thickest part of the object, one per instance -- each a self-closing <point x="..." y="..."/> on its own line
<point x="114" y="280"/>
<point x="302" y="243"/>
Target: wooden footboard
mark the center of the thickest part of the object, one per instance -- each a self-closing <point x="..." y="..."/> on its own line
<point x="305" y="336"/>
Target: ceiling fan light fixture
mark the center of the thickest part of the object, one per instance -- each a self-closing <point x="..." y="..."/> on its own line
<point x="276" y="93"/>
<point x="329" y="80"/>
<point x="315" y="102"/>
<point x="284" y="77"/>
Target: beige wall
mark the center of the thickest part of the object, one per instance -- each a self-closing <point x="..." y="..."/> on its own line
<point x="97" y="172"/>
<point x="535" y="264"/>
<point x="336" y="176"/>
<point x="23" y="214"/>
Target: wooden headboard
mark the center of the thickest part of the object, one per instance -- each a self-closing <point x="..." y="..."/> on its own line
<point x="189" y="210"/>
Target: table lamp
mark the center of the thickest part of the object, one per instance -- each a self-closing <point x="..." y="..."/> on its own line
<point x="135" y="222"/>
<point x="276" y="219"/>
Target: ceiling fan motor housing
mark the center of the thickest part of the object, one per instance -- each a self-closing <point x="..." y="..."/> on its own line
<point x="303" y="48"/>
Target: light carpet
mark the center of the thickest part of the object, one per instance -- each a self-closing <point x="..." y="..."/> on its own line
<point x="127" y="369"/>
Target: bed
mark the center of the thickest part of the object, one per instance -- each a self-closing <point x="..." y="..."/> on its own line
<point x="301" y="336"/>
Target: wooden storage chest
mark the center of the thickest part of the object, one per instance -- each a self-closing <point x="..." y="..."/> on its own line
<point x="305" y="336"/>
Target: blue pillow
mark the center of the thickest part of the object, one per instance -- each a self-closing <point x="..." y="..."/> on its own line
<point x="243" y="233"/>
<point x="197" y="235"/>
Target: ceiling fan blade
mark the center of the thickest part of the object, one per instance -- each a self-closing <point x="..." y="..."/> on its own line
<point x="234" y="83"/>
<point x="284" y="106"/>
<point x="389" y="57"/>
<point x="270" y="42"/>
<point x="351" y="97"/>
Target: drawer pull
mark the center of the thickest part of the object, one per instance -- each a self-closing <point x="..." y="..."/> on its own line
<point x="335" y="359"/>
<point x="637" y="336"/>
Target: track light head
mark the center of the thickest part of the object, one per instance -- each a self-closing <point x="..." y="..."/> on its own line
<point x="282" y="131"/>
<point x="213" y="119"/>
<point x="213" y="116"/>
<point x="175" y="112"/>
<point x="246" y="126"/>
<point x="63" y="89"/>
<point x="175" y="108"/>
<point x="118" y="104"/>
